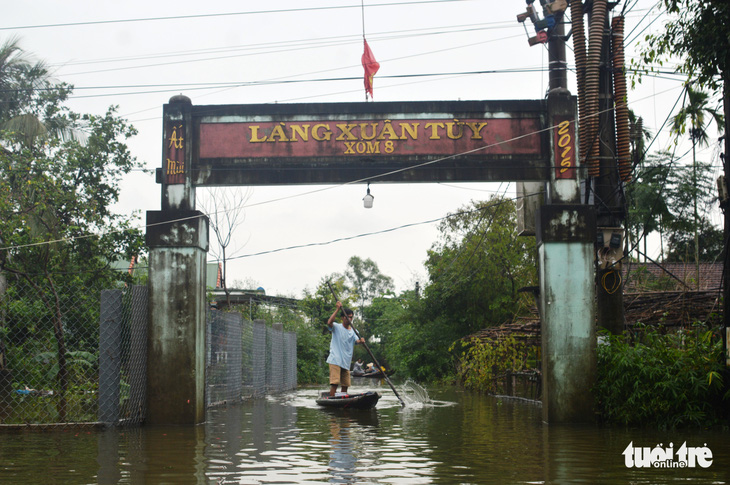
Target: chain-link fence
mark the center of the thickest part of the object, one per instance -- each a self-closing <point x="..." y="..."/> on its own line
<point x="122" y="392"/>
<point x="74" y="354"/>
<point x="51" y="340"/>
<point x="247" y="359"/>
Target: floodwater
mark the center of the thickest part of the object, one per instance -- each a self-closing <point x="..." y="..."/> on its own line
<point x="454" y="437"/>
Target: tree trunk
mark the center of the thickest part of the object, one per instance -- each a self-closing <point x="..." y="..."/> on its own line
<point x="62" y="375"/>
<point x="694" y="201"/>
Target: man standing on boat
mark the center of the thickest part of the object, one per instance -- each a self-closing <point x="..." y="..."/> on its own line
<point x="342" y="344"/>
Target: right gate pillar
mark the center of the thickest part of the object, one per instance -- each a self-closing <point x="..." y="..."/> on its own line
<point x="565" y="232"/>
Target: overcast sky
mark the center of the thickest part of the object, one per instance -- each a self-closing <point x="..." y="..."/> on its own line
<point x="136" y="55"/>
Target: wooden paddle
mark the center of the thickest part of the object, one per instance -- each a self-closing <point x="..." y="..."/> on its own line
<point x="402" y="403"/>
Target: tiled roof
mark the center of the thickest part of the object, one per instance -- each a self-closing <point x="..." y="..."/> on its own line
<point x="649" y="276"/>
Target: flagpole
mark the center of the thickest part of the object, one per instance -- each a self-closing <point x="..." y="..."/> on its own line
<point x="362" y="4"/>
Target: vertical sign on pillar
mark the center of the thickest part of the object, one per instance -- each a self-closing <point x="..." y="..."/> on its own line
<point x="565" y="155"/>
<point x="175" y="152"/>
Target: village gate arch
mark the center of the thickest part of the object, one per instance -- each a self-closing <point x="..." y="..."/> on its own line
<point x="322" y="143"/>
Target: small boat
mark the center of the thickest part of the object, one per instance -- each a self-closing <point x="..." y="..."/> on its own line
<point x="363" y="400"/>
<point x="375" y="374"/>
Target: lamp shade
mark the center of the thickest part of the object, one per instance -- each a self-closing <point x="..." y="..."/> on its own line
<point x="368" y="199"/>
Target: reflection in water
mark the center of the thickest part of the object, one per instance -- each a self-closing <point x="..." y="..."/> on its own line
<point x="343" y="459"/>
<point x="456" y="437"/>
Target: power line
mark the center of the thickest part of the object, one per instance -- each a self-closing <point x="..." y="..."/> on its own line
<point x="238" y="84"/>
<point x="170" y="87"/>
<point x="162" y="64"/>
<point x="226" y="14"/>
<point x="320" y="41"/>
<point x="375" y="233"/>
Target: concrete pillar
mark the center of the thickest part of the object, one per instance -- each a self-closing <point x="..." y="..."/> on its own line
<point x="178" y="242"/>
<point x="566" y="234"/>
<point x="110" y="355"/>
<point x="178" y="192"/>
<point x="565" y="239"/>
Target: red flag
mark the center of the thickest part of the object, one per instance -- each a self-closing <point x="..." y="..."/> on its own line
<point x="371" y="68"/>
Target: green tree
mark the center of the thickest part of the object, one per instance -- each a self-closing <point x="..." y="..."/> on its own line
<point x="56" y="196"/>
<point x="476" y="270"/>
<point x="384" y="314"/>
<point x="319" y="304"/>
<point x="479" y="265"/>
<point x="648" y="208"/>
<point x="31" y="106"/>
<point x="662" y="198"/>
<point x="697" y="34"/>
<point x="697" y="114"/>
<point x="366" y="280"/>
<point x="645" y="206"/>
<point x="690" y="235"/>
<point x="682" y="243"/>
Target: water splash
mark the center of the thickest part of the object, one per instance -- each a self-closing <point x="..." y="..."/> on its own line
<point x="414" y="394"/>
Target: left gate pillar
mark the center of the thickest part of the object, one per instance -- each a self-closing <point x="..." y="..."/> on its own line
<point x="177" y="237"/>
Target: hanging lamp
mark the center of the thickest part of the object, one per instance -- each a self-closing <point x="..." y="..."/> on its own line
<point x="368" y="199"/>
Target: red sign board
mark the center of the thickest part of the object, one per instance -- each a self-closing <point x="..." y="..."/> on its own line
<point x="353" y="138"/>
<point x="326" y="143"/>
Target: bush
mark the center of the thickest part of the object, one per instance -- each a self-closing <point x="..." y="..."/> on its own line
<point x="664" y="380"/>
<point x="484" y="364"/>
<point x="312" y="350"/>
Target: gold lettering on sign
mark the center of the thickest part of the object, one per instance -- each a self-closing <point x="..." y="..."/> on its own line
<point x="277" y="134"/>
<point x="366" y="137"/>
<point x="321" y="132"/>
<point x="174" y="167"/>
<point x="434" y="130"/>
<point x="299" y="130"/>
<point x="346" y="131"/>
<point x="411" y="128"/>
<point x="362" y="147"/>
<point x="175" y="156"/>
<point x="566" y="160"/>
<point x="450" y="130"/>
<point x="373" y="131"/>
<point x="175" y="140"/>
<point x="388" y="131"/>
<point x="564" y="155"/>
<point x="255" y="134"/>
<point x="476" y="128"/>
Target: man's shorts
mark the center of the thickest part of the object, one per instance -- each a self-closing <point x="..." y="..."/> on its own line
<point x="339" y="376"/>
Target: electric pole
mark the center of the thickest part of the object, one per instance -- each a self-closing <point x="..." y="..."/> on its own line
<point x="609" y="199"/>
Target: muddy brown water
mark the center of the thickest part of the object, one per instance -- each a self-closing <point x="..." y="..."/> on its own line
<point x="456" y="437"/>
